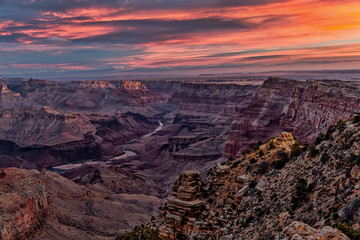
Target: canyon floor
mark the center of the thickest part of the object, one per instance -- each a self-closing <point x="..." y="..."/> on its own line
<point x="93" y="159"/>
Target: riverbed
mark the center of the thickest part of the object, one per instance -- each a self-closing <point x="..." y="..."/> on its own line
<point x="127" y="153"/>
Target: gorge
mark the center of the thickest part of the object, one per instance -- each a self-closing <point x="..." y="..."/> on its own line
<point x="119" y="146"/>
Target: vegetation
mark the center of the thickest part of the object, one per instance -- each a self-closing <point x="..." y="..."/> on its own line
<point x="296" y="150"/>
<point x="357" y="118"/>
<point x="253" y="160"/>
<point x="271" y="144"/>
<point x="248" y="221"/>
<point x="341" y="125"/>
<point x="252" y="184"/>
<point x="324" y="158"/>
<point x="313" y="151"/>
<point x="142" y="233"/>
<point x="282" y="160"/>
<point x="329" y="132"/>
<point x="302" y="191"/>
<point x="261" y="153"/>
<point x="348" y="231"/>
<point x="263" y="167"/>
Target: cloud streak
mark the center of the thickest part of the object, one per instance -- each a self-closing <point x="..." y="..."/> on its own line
<point x="68" y="37"/>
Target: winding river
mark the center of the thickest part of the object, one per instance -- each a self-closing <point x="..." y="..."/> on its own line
<point x="127" y="153"/>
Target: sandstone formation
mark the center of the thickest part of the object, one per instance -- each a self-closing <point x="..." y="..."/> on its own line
<point x="302" y="231"/>
<point x="185" y="203"/>
<point x="259" y="194"/>
<point x="24" y="204"/>
<point x="45" y="205"/>
<point x="216" y="98"/>
<point x="304" y="108"/>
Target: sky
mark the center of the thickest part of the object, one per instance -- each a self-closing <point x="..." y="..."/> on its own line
<point x="110" y="38"/>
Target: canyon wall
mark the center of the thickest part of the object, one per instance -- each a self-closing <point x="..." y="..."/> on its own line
<point x="303" y="108"/>
<point x="217" y="98"/>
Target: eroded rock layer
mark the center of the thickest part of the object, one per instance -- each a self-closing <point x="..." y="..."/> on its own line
<point x="303" y="108"/>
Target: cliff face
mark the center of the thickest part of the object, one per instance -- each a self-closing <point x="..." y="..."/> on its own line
<point x="303" y="108"/>
<point x="259" y="195"/>
<point x="106" y="97"/>
<point x="217" y="98"/>
<point x="23" y="202"/>
<point x="44" y="138"/>
<point x="44" y="205"/>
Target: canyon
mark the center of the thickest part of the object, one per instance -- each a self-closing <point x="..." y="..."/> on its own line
<point x="107" y="154"/>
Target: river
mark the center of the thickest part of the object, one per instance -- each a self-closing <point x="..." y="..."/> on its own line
<point x="127" y="153"/>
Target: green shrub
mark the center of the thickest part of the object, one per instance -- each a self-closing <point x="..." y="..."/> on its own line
<point x="348" y="231"/>
<point x="341" y="125"/>
<point x="142" y="233"/>
<point x="282" y="160"/>
<point x="319" y="139"/>
<point x="253" y="160"/>
<point x="296" y="150"/>
<point x="313" y="151"/>
<point x="261" y="153"/>
<point x="329" y="132"/>
<point x="301" y="194"/>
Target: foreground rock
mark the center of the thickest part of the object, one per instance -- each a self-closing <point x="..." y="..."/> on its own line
<point x="24" y="204"/>
<point x="45" y="205"/>
<point x="302" y="231"/>
<point x="259" y="195"/>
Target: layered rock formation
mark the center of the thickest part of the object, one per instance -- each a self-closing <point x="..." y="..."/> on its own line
<point x="304" y="108"/>
<point x="89" y="96"/>
<point x="45" y="205"/>
<point x="24" y="204"/>
<point x="216" y="98"/>
<point x="44" y="138"/>
<point x="302" y="231"/>
<point x="259" y="195"/>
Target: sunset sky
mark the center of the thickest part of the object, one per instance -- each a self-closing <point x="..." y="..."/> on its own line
<point x="83" y="38"/>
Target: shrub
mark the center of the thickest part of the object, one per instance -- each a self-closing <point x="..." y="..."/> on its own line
<point x="341" y="125"/>
<point x="330" y="130"/>
<point x="261" y="153"/>
<point x="313" y="151"/>
<point x="348" y="231"/>
<point x="142" y="233"/>
<point x="283" y="159"/>
<point x="296" y="150"/>
<point x="325" y="157"/>
<point x="253" y="160"/>
<point x="235" y="164"/>
<point x="354" y="159"/>
<point x="319" y="139"/>
<point x="263" y="167"/>
<point x="357" y="118"/>
<point x="302" y="191"/>
<point x="271" y="144"/>
<point x="252" y="184"/>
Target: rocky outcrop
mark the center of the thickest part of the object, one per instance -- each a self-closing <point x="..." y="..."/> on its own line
<point x="216" y="98"/>
<point x="302" y="231"/>
<point x="258" y="195"/>
<point x="24" y="204"/>
<point x="303" y="108"/>
<point x="185" y="204"/>
<point x="45" y="205"/>
<point x="106" y="97"/>
<point x="168" y="87"/>
<point x="45" y="138"/>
